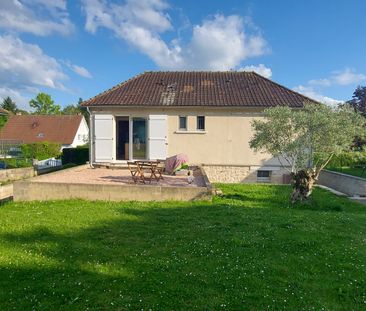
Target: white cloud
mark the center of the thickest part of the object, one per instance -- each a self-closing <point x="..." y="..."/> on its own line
<point x="348" y="76"/>
<point x="219" y="43"/>
<point x="313" y="94"/>
<point x="341" y="77"/>
<point x="338" y="78"/>
<point x="81" y="71"/>
<point x="39" y="17"/>
<point x="260" y="69"/>
<point x="320" y="82"/>
<point x="25" y="68"/>
<point x="19" y="99"/>
<point x="25" y="65"/>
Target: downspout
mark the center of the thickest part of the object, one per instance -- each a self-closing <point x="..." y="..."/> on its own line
<point x="91" y="135"/>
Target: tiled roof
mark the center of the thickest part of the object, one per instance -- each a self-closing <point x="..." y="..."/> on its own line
<point x="195" y="88"/>
<point x="35" y="128"/>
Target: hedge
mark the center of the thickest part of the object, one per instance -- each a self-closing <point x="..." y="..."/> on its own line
<point x="351" y="159"/>
<point x="41" y="150"/>
<point x="75" y="155"/>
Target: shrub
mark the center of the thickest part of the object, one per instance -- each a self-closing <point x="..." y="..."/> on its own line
<point x="350" y="158"/>
<point x="15" y="163"/>
<point x="41" y="151"/>
<point x="79" y="155"/>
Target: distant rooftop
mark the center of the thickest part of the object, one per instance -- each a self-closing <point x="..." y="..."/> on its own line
<point x="35" y="128"/>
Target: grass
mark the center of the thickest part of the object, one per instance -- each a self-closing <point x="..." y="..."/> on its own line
<point x="354" y="171"/>
<point x="244" y="251"/>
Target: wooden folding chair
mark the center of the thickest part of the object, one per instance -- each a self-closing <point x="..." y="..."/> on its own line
<point x="138" y="170"/>
<point x="134" y="170"/>
<point x="160" y="168"/>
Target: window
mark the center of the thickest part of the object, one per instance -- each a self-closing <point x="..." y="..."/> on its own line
<point x="40" y="135"/>
<point x="200" y="123"/>
<point x="263" y="176"/>
<point x="182" y="123"/>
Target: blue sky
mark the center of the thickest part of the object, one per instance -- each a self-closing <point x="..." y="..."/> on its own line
<point x="78" y="48"/>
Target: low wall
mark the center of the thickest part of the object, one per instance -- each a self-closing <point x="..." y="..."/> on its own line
<point x="240" y="173"/>
<point x="6" y="192"/>
<point x="16" y="174"/>
<point x="350" y="185"/>
<point x="40" y="191"/>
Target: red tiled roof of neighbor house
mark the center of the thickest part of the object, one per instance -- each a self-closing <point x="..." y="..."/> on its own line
<point x="36" y="128"/>
<point x="198" y="88"/>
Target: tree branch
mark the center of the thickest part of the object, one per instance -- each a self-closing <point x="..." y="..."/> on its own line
<point x="317" y="172"/>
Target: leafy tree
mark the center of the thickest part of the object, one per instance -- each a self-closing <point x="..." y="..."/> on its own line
<point x="78" y="109"/>
<point x="22" y="112"/>
<point x="358" y="101"/>
<point x="43" y="104"/>
<point x="3" y="120"/>
<point x="71" y="110"/>
<point x="9" y="105"/>
<point x="83" y="110"/>
<point x="305" y="140"/>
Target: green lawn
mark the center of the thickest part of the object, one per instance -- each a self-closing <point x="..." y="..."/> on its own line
<point x="354" y="171"/>
<point x="245" y="251"/>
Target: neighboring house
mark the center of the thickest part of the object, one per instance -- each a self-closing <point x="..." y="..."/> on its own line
<point x="206" y="115"/>
<point x="4" y="112"/>
<point x="69" y="131"/>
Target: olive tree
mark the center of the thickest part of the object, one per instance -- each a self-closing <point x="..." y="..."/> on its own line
<point x="304" y="140"/>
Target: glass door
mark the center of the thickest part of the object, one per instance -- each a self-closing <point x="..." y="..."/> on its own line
<point x="139" y="138"/>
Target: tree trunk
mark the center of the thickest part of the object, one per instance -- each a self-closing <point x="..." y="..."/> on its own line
<point x="302" y="183"/>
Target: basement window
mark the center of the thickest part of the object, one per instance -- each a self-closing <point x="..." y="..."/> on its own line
<point x="263" y="176"/>
<point x="40" y="135"/>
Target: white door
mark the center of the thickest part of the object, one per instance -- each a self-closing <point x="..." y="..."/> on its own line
<point x="103" y="137"/>
<point x="157" y="137"/>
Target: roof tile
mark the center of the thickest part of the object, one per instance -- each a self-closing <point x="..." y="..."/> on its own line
<point x="199" y="88"/>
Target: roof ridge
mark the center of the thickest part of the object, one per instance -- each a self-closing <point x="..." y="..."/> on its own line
<point x="198" y="71"/>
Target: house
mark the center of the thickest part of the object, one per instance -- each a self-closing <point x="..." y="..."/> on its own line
<point x="4" y="112"/>
<point x="68" y="130"/>
<point x="206" y="115"/>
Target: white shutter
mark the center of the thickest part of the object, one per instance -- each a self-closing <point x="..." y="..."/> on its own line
<point x="157" y="137"/>
<point x="103" y="137"/>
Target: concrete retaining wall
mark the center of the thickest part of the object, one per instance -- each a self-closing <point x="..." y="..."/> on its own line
<point x="34" y="191"/>
<point x="350" y="185"/>
<point x="240" y="173"/>
<point x="6" y="192"/>
<point x="16" y="174"/>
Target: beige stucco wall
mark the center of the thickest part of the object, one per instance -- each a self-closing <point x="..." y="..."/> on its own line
<point x="225" y="140"/>
<point x="224" y="145"/>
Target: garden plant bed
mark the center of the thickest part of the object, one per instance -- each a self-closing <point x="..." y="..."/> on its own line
<point x="246" y="250"/>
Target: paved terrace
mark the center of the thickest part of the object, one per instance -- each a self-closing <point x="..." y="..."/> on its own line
<point x="114" y="176"/>
<point x="110" y="184"/>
